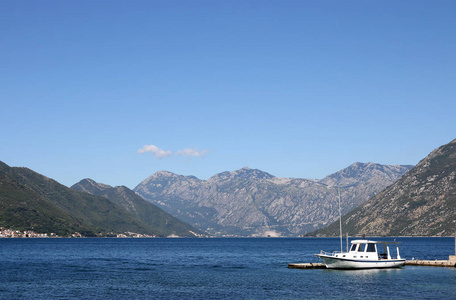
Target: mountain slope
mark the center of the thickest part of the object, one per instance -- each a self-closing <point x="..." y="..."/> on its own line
<point x="22" y="208"/>
<point x="251" y="202"/>
<point x="423" y="202"/>
<point x="34" y="201"/>
<point x="141" y="209"/>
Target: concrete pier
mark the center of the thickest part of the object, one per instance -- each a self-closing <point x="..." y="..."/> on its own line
<point x="431" y="263"/>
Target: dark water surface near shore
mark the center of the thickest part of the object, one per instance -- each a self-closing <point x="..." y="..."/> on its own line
<point x="103" y="268"/>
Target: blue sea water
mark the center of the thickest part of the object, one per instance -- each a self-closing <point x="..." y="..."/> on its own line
<point x="256" y="268"/>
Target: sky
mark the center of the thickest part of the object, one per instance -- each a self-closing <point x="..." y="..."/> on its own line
<point x="118" y="90"/>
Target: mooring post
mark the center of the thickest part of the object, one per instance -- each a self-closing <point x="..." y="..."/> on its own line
<point x="452" y="258"/>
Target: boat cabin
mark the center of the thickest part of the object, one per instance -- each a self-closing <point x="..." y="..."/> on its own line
<point x="365" y="249"/>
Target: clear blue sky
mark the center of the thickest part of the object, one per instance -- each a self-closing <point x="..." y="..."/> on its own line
<point x="117" y="90"/>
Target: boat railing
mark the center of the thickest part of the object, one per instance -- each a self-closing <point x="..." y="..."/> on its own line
<point x="329" y="253"/>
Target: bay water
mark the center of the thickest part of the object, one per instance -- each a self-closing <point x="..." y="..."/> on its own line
<point x="218" y="268"/>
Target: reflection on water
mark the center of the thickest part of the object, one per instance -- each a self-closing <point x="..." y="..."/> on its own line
<point x="367" y="272"/>
<point x="369" y="276"/>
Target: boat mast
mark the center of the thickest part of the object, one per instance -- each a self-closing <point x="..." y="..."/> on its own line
<point x="340" y="222"/>
<point x="346" y="242"/>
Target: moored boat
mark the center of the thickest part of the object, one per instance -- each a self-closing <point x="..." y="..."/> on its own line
<point x="363" y="254"/>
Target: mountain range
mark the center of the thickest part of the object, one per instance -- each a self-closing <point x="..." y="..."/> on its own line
<point x="251" y="202"/>
<point x="421" y="203"/>
<point x="138" y="207"/>
<point x="31" y="201"/>
<point x="376" y="200"/>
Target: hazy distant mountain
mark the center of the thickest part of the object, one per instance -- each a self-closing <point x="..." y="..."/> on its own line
<point x="30" y="201"/>
<point x="141" y="209"/>
<point x="422" y="202"/>
<point x="251" y="202"/>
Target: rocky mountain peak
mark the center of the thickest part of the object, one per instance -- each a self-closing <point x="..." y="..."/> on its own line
<point x="250" y="202"/>
<point x="164" y="173"/>
<point x="90" y="186"/>
<point x="160" y="176"/>
<point x="243" y="173"/>
<point x="358" y="170"/>
<point x="247" y="173"/>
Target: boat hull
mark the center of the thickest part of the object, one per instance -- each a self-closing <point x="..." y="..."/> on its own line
<point x="332" y="262"/>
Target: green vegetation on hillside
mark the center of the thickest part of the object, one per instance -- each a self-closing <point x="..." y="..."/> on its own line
<point x="30" y="201"/>
<point x="138" y="207"/>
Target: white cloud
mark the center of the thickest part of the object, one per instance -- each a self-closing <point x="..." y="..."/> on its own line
<point x="191" y="152"/>
<point x="158" y="152"/>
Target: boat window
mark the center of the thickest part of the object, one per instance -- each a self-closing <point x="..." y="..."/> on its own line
<point x="353" y="248"/>
<point x="360" y="249"/>
<point x="370" y="247"/>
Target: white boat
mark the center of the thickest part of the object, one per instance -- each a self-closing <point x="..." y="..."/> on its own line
<point x="363" y="254"/>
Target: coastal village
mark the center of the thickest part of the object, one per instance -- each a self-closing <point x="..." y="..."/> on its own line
<point x="9" y="233"/>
